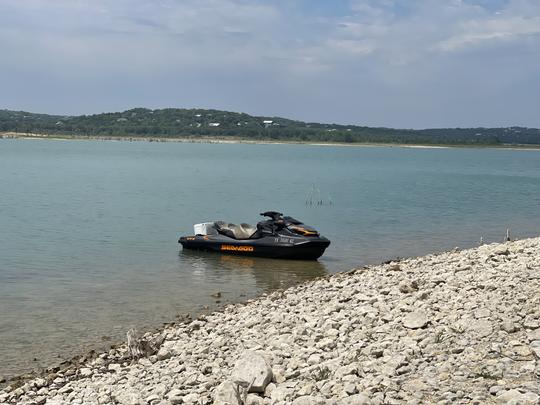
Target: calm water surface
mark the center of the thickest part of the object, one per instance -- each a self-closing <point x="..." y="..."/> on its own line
<point x="89" y="229"/>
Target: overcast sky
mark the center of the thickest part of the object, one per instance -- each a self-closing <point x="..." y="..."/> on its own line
<point x="396" y="63"/>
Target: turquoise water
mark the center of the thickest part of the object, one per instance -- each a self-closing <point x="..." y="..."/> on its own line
<point x="89" y="229"/>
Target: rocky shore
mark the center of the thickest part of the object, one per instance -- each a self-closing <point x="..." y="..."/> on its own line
<point x="451" y="328"/>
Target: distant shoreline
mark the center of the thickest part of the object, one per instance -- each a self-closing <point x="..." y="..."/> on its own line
<point x="238" y="140"/>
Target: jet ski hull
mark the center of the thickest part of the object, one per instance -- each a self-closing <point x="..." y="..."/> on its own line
<point x="277" y="246"/>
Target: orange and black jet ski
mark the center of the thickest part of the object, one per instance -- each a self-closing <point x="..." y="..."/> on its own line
<point x="279" y="237"/>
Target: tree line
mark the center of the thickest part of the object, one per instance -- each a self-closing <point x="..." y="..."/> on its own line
<point x="198" y="123"/>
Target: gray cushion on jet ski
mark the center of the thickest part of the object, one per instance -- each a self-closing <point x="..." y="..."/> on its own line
<point x="242" y="231"/>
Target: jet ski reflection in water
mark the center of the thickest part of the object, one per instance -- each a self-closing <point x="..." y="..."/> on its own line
<point x="279" y="237"/>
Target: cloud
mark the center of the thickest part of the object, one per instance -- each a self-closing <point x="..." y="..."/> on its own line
<point x="416" y="63"/>
<point x="135" y="35"/>
<point x="474" y="33"/>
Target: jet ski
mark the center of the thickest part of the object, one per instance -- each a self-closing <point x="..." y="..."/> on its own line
<point x="280" y="237"/>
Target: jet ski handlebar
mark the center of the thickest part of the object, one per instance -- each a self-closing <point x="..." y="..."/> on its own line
<point x="272" y="214"/>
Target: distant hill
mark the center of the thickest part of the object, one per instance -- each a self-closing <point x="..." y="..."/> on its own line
<point x="198" y="123"/>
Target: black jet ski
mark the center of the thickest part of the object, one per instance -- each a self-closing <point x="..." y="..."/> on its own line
<point x="279" y="237"/>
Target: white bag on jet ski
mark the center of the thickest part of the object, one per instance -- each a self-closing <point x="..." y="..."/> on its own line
<point x="205" y="228"/>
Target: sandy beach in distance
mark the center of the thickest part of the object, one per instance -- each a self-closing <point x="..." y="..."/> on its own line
<point x="12" y="135"/>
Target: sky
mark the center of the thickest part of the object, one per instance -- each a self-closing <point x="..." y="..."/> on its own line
<point x="391" y="63"/>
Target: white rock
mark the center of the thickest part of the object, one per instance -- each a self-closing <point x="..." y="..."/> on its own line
<point x="227" y="393"/>
<point x="175" y="396"/>
<point x="535" y="347"/>
<point x="309" y="400"/>
<point x="280" y="394"/>
<point x="531" y="324"/>
<point x="406" y="287"/>
<point x="514" y="397"/>
<point x="501" y="250"/>
<point x="357" y="399"/>
<point x="163" y="354"/>
<point x="152" y="399"/>
<point x="533" y="334"/>
<point x="346" y="370"/>
<point x="326" y="344"/>
<point x="190" y="398"/>
<point x="482" y="313"/>
<point x="128" y="397"/>
<point x="86" y="372"/>
<point x="268" y="390"/>
<point x="307" y="389"/>
<point x="253" y="399"/>
<point x="278" y="376"/>
<point x="415" y="320"/>
<point x="481" y="327"/>
<point x="314" y="359"/>
<point x="350" y="388"/>
<point x="508" y="326"/>
<point x="55" y="401"/>
<point x="114" y="367"/>
<point x="251" y="369"/>
<point x="40" y="382"/>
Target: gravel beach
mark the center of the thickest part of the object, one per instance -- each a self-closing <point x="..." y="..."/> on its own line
<point x="452" y="328"/>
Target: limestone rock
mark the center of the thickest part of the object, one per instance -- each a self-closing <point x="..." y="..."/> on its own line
<point x="482" y="328"/>
<point x="415" y="320"/>
<point x="531" y="323"/>
<point x="394" y="267"/>
<point x="508" y="326"/>
<point x="175" y="396"/>
<point x="252" y="370"/>
<point x="501" y="250"/>
<point x="281" y="394"/>
<point x="128" y="397"/>
<point x="533" y="335"/>
<point x="514" y="397"/>
<point x="86" y="372"/>
<point x="309" y="400"/>
<point x="535" y="348"/>
<point x="163" y="354"/>
<point x="253" y="399"/>
<point x="190" y="398"/>
<point x="227" y="393"/>
<point x="152" y="399"/>
<point x="357" y="399"/>
<point x="406" y="286"/>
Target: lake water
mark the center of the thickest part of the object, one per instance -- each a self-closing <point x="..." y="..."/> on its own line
<point x="89" y="229"/>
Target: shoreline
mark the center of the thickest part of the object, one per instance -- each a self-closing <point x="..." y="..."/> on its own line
<point x="235" y="140"/>
<point x="377" y="333"/>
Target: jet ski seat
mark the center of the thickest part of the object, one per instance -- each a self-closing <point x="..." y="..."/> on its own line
<point x="242" y="231"/>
